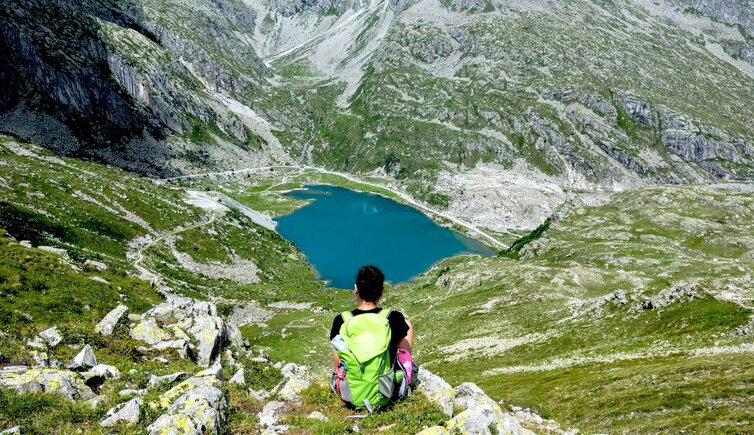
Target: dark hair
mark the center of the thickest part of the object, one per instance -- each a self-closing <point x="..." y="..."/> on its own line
<point x="370" y="282"/>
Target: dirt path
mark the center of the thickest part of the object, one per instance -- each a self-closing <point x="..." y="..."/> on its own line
<point x="403" y="196"/>
<point x="148" y="274"/>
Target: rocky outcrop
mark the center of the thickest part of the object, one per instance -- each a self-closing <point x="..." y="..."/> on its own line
<point x="64" y="382"/>
<point x="736" y="12"/>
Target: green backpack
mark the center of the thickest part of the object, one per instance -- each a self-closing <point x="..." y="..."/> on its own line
<point x="363" y="345"/>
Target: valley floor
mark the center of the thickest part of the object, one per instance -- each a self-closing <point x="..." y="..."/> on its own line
<point x="628" y="312"/>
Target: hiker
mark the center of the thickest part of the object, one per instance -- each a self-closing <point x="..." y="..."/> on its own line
<point x="372" y="363"/>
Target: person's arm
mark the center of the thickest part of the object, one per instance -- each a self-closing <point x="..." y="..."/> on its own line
<point x="335" y="360"/>
<point x="407" y="342"/>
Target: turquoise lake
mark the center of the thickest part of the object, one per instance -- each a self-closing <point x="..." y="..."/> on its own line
<point x="342" y="230"/>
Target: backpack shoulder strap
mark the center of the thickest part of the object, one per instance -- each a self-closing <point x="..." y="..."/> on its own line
<point x="386" y="312"/>
<point x="346" y="316"/>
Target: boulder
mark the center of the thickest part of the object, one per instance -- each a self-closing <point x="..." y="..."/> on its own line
<point x="296" y="380"/>
<point x="84" y="360"/>
<point x="196" y="405"/>
<point x="484" y="420"/>
<point x="156" y="381"/>
<point x="107" y="325"/>
<point x="434" y="430"/>
<point x="64" y="382"/>
<point x="180" y="346"/>
<point x="148" y="332"/>
<point x="238" y="378"/>
<point x="96" y="265"/>
<point x="271" y="413"/>
<point x="100" y="373"/>
<point x="469" y="395"/>
<point x="51" y="336"/>
<point x="436" y="389"/>
<point x="125" y="413"/>
<point x="210" y="332"/>
<point x="57" y="251"/>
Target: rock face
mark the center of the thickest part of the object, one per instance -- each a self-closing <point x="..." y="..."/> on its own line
<point x="196" y="405"/>
<point x="739" y="12"/>
<point x="107" y="325"/>
<point x="126" y="413"/>
<point x="469" y="395"/>
<point x="436" y="389"/>
<point x="271" y="413"/>
<point x="24" y="380"/>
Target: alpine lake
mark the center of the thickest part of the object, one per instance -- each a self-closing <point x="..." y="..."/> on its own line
<point x="341" y="230"/>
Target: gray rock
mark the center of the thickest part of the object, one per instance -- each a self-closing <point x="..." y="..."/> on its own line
<point x="276" y="429"/>
<point x="97" y="265"/>
<point x="469" y="395"/>
<point x="57" y="251"/>
<point x="148" y="332"/>
<point x="434" y="430"/>
<point x="15" y="430"/>
<point x="132" y="392"/>
<point x="156" y="381"/>
<point x="238" y="378"/>
<point x="52" y="336"/>
<point x="210" y="332"/>
<point x="271" y="413"/>
<point x="436" y="389"/>
<point x="316" y="415"/>
<point x="484" y="420"/>
<point x="107" y="325"/>
<point x="98" y="402"/>
<point x="101" y="371"/>
<point x="125" y="413"/>
<point x="296" y="380"/>
<point x="84" y="360"/>
<point x="196" y="405"/>
<point x="25" y="243"/>
<point x="23" y="380"/>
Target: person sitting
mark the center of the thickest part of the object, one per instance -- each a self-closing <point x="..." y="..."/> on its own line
<point x="372" y="362"/>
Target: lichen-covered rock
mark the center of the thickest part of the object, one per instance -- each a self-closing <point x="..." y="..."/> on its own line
<point x="84" y="360"/>
<point x="64" y="382"/>
<point x="296" y="380"/>
<point x="316" y="415"/>
<point x="436" y="389"/>
<point x="125" y="413"/>
<point x="196" y="405"/>
<point x="434" y="430"/>
<point x="107" y="325"/>
<point x="52" y="336"/>
<point x="484" y="420"/>
<point x="210" y="332"/>
<point x="148" y="332"/>
<point x="98" y="402"/>
<point x="271" y="413"/>
<point x="469" y="395"/>
<point x="210" y="377"/>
